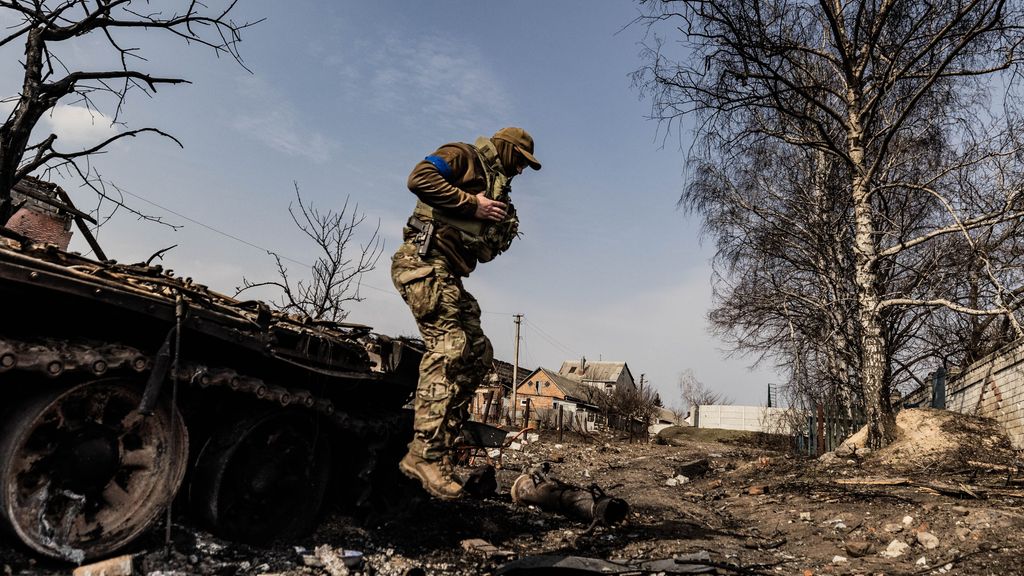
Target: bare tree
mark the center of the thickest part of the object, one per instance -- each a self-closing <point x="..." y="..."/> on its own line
<point x="47" y="29"/>
<point x="696" y="393"/>
<point x="335" y="274"/>
<point x="896" y="100"/>
<point x="625" y="408"/>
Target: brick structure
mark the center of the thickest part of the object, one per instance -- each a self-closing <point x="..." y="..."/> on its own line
<point x="547" y="391"/>
<point x="499" y="386"/>
<point x="38" y="220"/>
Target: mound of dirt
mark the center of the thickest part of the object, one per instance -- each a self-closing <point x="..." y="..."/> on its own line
<point x="930" y="439"/>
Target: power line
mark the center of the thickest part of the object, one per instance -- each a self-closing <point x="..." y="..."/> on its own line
<point x="244" y="241"/>
<point x="551" y="339"/>
<point x="215" y="230"/>
<point x="389" y="291"/>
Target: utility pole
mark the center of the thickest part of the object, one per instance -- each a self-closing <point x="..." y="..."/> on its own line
<point x="515" y="369"/>
<point x="642" y="383"/>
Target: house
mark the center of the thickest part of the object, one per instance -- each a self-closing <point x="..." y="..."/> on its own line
<point x="496" y="389"/>
<point x="663" y="418"/>
<point x="548" y="393"/>
<point x="606" y="376"/>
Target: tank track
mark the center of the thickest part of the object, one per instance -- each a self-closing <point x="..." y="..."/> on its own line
<point x="53" y="358"/>
<point x="56" y="358"/>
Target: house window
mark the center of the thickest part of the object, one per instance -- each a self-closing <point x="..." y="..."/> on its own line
<point x="572" y="370"/>
<point x="538" y="386"/>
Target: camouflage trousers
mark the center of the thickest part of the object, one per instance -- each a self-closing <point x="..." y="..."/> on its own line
<point x="458" y="353"/>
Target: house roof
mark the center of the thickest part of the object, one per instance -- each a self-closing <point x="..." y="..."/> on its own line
<point x="504" y="372"/>
<point x="572" y="389"/>
<point x="666" y="415"/>
<point x="594" y="371"/>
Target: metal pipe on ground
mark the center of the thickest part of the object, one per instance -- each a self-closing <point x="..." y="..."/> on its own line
<point x="589" y="504"/>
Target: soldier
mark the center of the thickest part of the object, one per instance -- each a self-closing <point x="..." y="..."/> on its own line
<point x="463" y="216"/>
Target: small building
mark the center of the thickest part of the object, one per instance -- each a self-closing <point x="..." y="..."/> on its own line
<point x="548" y="393"/>
<point x="663" y="418"/>
<point x="37" y="219"/>
<point x="494" y="392"/>
<point x="605" y="376"/>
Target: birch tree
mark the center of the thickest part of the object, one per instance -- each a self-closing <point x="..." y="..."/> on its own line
<point x="911" y="106"/>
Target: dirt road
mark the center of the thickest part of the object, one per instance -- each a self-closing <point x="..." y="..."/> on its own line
<point x="753" y="510"/>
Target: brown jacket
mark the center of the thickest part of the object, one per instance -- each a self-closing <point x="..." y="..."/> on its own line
<point x="458" y="195"/>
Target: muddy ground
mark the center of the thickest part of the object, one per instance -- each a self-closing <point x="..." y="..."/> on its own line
<point x="758" y="509"/>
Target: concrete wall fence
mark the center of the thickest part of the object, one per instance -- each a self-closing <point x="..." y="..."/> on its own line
<point x="750" y="418"/>
<point x="993" y="387"/>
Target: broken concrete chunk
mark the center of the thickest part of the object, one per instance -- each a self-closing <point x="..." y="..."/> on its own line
<point x="119" y="566"/>
<point x="338" y="562"/>
<point x="858" y="548"/>
<point x="928" y="540"/>
<point x="486" y="549"/>
<point x="895" y="549"/>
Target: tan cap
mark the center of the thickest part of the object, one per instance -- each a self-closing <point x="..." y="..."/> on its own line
<point x="521" y="141"/>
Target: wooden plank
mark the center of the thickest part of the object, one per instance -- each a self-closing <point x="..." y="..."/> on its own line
<point x="873" y="481"/>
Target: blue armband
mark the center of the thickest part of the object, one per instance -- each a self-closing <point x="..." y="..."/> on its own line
<point x="442" y="167"/>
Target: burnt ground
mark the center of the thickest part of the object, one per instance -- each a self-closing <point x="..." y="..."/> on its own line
<point x="757" y="510"/>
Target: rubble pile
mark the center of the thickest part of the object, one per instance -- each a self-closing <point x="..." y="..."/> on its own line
<point x="932" y="439"/>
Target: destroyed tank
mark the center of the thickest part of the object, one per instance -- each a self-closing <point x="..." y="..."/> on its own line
<point x="124" y="388"/>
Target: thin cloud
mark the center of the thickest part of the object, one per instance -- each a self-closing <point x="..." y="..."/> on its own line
<point x="432" y="77"/>
<point x="275" y="122"/>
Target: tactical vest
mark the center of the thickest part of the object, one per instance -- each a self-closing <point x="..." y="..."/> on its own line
<point x="483" y="239"/>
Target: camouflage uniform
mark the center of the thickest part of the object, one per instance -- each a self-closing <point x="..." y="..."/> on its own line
<point x="458" y="355"/>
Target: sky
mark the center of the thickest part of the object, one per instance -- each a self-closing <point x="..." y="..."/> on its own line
<point x="343" y="98"/>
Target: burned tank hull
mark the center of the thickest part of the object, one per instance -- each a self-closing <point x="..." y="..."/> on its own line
<point x="125" y="387"/>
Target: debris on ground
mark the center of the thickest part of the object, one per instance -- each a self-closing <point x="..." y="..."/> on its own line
<point x="754" y="510"/>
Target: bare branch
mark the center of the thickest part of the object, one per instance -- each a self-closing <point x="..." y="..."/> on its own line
<point x="335" y="275"/>
<point x="44" y="27"/>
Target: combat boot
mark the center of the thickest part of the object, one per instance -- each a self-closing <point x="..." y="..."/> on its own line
<point x="436" y="477"/>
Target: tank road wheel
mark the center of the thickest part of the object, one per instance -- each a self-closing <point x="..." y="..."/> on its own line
<point x="82" y="473"/>
<point x="263" y="477"/>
